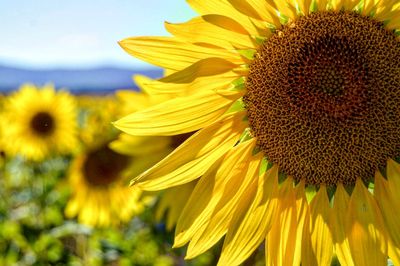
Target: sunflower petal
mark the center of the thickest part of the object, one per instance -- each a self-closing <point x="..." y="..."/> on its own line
<point x="338" y="221"/>
<point x="209" y="190"/>
<point x="322" y="4"/>
<point x="317" y="239"/>
<point x="393" y="173"/>
<point x="248" y="229"/>
<point x="257" y="9"/>
<point x="281" y="240"/>
<point x="387" y="203"/>
<point x="228" y="36"/>
<point x="305" y="6"/>
<point x="170" y="53"/>
<point x="302" y="213"/>
<point x="193" y="157"/>
<point x="180" y="115"/>
<point x="365" y="230"/>
<point x="214" y="82"/>
<point x="226" y="9"/>
<point x="203" y="68"/>
<point x="239" y="185"/>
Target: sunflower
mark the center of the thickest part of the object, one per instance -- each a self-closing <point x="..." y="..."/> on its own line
<point x="2" y="141"/>
<point x="296" y="108"/>
<point x="38" y="122"/>
<point x="101" y="196"/>
<point x="99" y="174"/>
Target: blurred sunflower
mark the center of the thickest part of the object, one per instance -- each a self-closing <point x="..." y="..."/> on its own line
<point x="2" y="152"/>
<point x="39" y="122"/>
<point x="100" y="174"/>
<point x="296" y="104"/>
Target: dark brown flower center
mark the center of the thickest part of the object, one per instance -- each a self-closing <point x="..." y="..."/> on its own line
<point x="104" y="166"/>
<point x="42" y="123"/>
<point x="323" y="97"/>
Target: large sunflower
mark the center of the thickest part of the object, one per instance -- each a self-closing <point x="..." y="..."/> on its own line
<point x="38" y="122"/>
<point x="296" y="104"/>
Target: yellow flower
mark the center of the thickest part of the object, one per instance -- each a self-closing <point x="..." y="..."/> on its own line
<point x="101" y="196"/>
<point x="296" y="104"/>
<point x="99" y="175"/>
<point x="2" y="153"/>
<point x="38" y="122"/>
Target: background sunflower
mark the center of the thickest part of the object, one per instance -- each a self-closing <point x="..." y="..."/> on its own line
<point x="98" y="175"/>
<point x="39" y="122"/>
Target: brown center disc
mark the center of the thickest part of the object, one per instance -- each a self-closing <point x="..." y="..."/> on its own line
<point x="104" y="166"/>
<point x="323" y="97"/>
<point x="42" y="123"/>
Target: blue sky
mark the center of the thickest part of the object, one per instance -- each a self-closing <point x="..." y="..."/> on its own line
<point x="80" y="33"/>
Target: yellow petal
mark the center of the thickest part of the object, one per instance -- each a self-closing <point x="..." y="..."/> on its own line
<point x="393" y="175"/>
<point x="203" y="68"/>
<point x="303" y="212"/>
<point x="213" y="82"/>
<point x="226" y="9"/>
<point x="207" y="29"/>
<point x="193" y="157"/>
<point x="281" y="240"/>
<point x="365" y="230"/>
<point x="249" y="228"/>
<point x="209" y="190"/>
<point x="317" y="240"/>
<point x="321" y="4"/>
<point x="338" y="222"/>
<point x="305" y="6"/>
<point x="350" y="4"/>
<point x="258" y="9"/>
<point x="388" y="203"/>
<point x="180" y="115"/>
<point x="219" y="221"/>
<point x="369" y="6"/>
<point x="171" y="53"/>
<point x="394" y="252"/>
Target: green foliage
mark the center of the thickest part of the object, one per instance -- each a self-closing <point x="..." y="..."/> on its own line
<point x="34" y="230"/>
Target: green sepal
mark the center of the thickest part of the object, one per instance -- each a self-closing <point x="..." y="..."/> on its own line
<point x="260" y="40"/>
<point x="239" y="84"/>
<point x="310" y="191"/>
<point x="247" y="53"/>
<point x="237" y="106"/>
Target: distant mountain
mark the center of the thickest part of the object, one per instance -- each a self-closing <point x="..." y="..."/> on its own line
<point x="80" y="81"/>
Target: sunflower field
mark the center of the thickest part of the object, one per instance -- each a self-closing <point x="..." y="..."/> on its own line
<point x="64" y="184"/>
<point x="272" y="137"/>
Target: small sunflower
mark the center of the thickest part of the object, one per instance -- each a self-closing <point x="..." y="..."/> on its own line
<point x="101" y="196"/>
<point x="99" y="174"/>
<point x="38" y="122"/>
<point x="296" y="108"/>
<point x="2" y="141"/>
